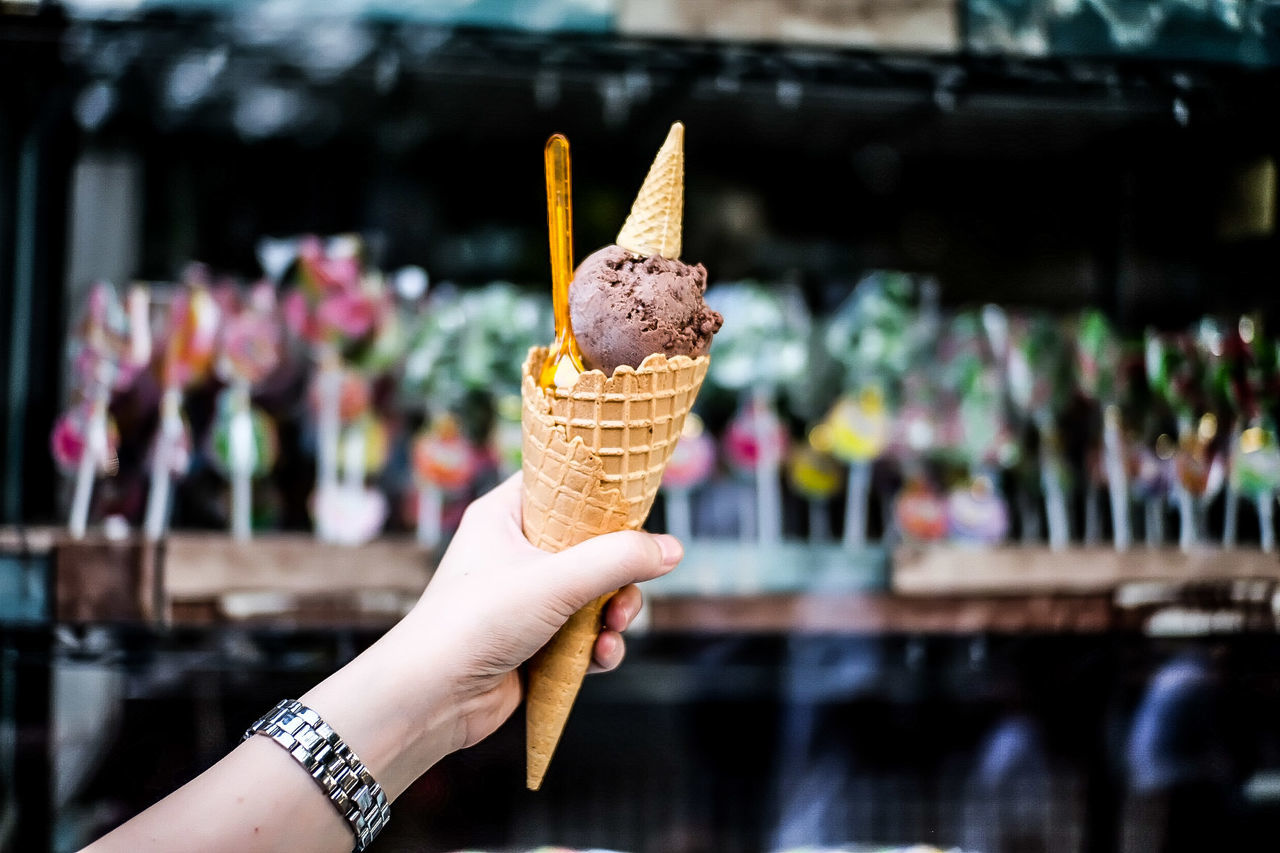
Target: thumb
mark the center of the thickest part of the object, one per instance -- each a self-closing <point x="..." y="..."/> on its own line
<point x="603" y="564"/>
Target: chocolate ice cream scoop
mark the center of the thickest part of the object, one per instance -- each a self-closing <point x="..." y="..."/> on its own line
<point x="624" y="308"/>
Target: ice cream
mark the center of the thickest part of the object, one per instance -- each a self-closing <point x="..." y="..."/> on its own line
<point x="595" y="445"/>
<point x="625" y="307"/>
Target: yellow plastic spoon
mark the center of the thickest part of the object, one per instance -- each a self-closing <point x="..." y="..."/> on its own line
<point x="560" y="231"/>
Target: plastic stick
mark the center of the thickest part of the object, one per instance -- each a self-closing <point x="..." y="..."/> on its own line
<point x="1266" y="521"/>
<point x="430" y="515"/>
<point x="241" y="452"/>
<point x="328" y="422"/>
<point x="353" y="459"/>
<point x="1117" y="479"/>
<point x="819" y="524"/>
<point x="1230" y="517"/>
<point x="768" y="497"/>
<point x="1155" y="522"/>
<point x="855" y="507"/>
<point x="679" y="515"/>
<point x="170" y="434"/>
<point x="90" y="457"/>
<point x="1092" y="515"/>
<point x="1055" y="500"/>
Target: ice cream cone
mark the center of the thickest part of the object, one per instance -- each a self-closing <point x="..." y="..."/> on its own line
<point x="593" y="461"/>
<point x="655" y="224"/>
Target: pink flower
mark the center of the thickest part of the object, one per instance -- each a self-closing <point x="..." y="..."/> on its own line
<point x="297" y="316"/>
<point x="348" y="316"/>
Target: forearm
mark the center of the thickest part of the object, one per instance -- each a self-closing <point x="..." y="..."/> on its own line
<point x="258" y="798"/>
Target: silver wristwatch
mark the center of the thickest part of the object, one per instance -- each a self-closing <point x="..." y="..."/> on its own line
<point x="339" y="773"/>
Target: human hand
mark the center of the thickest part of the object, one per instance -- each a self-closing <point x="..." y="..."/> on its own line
<point x="447" y="676"/>
<point x="495" y="599"/>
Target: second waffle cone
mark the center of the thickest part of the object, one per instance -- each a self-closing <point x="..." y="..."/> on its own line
<point x="655" y="225"/>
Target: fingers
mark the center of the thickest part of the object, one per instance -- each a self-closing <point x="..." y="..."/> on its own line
<point x="607" y="563"/>
<point x="621" y="611"/>
<point x="608" y="652"/>
<point x="623" y="608"/>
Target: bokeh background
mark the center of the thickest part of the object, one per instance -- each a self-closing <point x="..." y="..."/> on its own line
<point x="877" y="190"/>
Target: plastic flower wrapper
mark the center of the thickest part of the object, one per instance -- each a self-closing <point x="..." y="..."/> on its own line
<point x="465" y="340"/>
<point x="762" y="351"/>
<point x="1178" y="374"/>
<point x="506" y="437"/>
<point x="84" y="438"/>
<point x="1038" y="376"/>
<point x="1262" y="365"/>
<point x="1100" y="362"/>
<point x="764" y="342"/>
<point x="350" y="512"/>
<point x="873" y="335"/>
<point x="362" y="325"/>
<point x="918" y="431"/>
<point x="859" y="427"/>
<point x="1255" y="476"/>
<point x="919" y="510"/>
<point x="242" y="445"/>
<point x="242" y="438"/>
<point x="920" y="513"/>
<point x="815" y="475"/>
<point x="444" y="463"/>
<point x="976" y="513"/>
<point x="323" y="284"/>
<point x="109" y="333"/>
<point x="691" y="464"/>
<point x="755" y="444"/>
<point x="345" y="314"/>
<point x="1099" y="353"/>
<point x="188" y="346"/>
<point x="1242" y="375"/>
<point x="459" y="360"/>
<point x="976" y="433"/>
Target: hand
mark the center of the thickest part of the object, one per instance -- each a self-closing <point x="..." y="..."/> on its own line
<point x="495" y="600"/>
<point x="449" y="668"/>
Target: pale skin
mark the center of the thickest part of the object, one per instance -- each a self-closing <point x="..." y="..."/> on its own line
<point x="444" y="678"/>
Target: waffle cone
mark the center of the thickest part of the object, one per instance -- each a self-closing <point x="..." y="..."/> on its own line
<point x="655" y="224"/>
<point x="593" y="461"/>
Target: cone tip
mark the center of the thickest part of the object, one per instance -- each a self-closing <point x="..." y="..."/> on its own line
<point x="534" y="776"/>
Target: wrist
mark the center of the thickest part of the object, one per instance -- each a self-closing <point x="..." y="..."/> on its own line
<point x="399" y="719"/>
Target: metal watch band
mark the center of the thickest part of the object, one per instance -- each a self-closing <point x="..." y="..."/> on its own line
<point x="339" y="773"/>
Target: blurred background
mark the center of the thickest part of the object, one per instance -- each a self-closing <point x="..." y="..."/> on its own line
<point x="979" y="498"/>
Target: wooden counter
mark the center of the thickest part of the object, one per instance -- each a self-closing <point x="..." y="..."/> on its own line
<point x="291" y="580"/>
<point x="1019" y="570"/>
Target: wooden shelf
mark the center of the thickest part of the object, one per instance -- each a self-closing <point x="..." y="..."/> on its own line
<point x="878" y="613"/>
<point x="1022" y="570"/>
<point x="292" y="580"/>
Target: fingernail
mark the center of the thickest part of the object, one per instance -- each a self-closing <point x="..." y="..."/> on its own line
<point x="671" y="549"/>
<point x="631" y="614"/>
